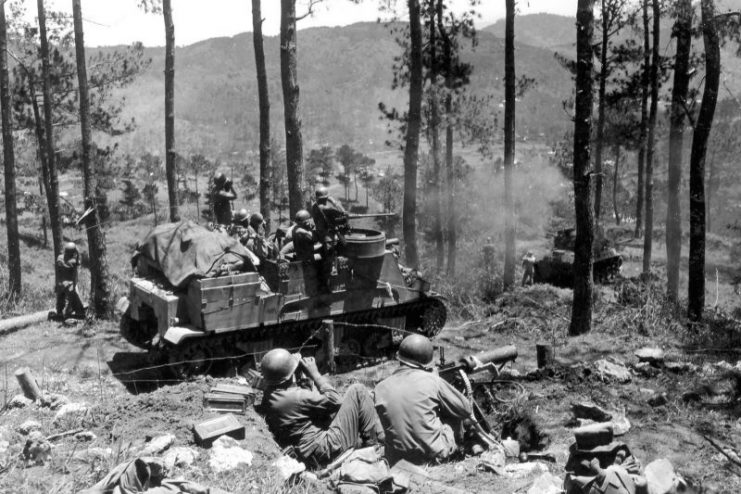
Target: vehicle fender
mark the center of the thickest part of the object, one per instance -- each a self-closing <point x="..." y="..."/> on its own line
<point x="178" y="334"/>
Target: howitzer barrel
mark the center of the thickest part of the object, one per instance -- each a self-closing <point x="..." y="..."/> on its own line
<point x="498" y="355"/>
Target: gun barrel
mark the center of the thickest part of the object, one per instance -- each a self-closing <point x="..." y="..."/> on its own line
<point x="369" y="215"/>
<point x="498" y="355"/>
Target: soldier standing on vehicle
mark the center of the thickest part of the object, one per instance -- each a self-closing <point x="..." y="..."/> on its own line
<point x="315" y="420"/>
<point x="331" y="223"/>
<point x="420" y="412"/>
<point x="528" y="268"/>
<point x="303" y="238"/>
<point x="67" y="265"/>
<point x="222" y="195"/>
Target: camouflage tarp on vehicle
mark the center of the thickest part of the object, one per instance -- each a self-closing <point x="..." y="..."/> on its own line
<point x="184" y="250"/>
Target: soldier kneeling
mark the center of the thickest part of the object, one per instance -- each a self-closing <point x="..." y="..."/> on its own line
<point x="67" y="265"/>
<point x="316" y="421"/>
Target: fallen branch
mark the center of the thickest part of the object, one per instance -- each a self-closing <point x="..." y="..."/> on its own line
<point x="719" y="448"/>
<point x="64" y="434"/>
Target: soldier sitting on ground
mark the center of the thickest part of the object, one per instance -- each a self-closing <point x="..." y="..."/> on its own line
<point x="222" y="193"/>
<point x="420" y="412"/>
<point x="67" y="265"/>
<point x="316" y="421"/>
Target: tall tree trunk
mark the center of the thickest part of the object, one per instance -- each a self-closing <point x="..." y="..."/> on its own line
<point x="683" y="33"/>
<point x="615" y="179"/>
<point x="696" y="289"/>
<point x="11" y="212"/>
<point x="289" y="80"/>
<point x="641" y="187"/>
<point x="598" y="179"/>
<point x="264" y="106"/>
<point x="437" y="221"/>
<point x="648" y="237"/>
<point x="99" y="280"/>
<point x="581" y="311"/>
<point x="411" y="141"/>
<point x="509" y="143"/>
<point x="449" y="166"/>
<point x="170" y="165"/>
<point x="712" y="189"/>
<point x="52" y="194"/>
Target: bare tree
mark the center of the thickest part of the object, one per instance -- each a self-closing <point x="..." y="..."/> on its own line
<point x="99" y="280"/>
<point x="654" y="81"/>
<point x="509" y="142"/>
<point x="683" y="33"/>
<point x="434" y="124"/>
<point x="292" y="121"/>
<point x="581" y="312"/>
<point x="11" y="213"/>
<point x="641" y="186"/>
<point x="52" y="193"/>
<point x="696" y="288"/>
<point x="264" y="108"/>
<point x="451" y="226"/>
<point x="411" y="145"/>
<point x="170" y="154"/>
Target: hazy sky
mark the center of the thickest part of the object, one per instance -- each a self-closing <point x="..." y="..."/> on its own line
<point x="110" y="22"/>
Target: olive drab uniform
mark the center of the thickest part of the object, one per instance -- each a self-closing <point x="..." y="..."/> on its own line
<point x="66" y="287"/>
<point x="330" y="220"/>
<point x="320" y="424"/>
<point x="302" y="243"/>
<point x="528" y="268"/>
<point x="419" y="411"/>
<point x="221" y="197"/>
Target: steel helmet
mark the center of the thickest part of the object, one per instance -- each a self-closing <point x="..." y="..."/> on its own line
<point x="302" y="216"/>
<point x="277" y="366"/>
<point x="256" y="220"/>
<point x="321" y="192"/>
<point x="416" y="350"/>
<point x="70" y="247"/>
<point x="219" y="178"/>
<point x="240" y="216"/>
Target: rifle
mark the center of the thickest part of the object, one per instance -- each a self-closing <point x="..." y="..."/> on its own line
<point x="458" y="374"/>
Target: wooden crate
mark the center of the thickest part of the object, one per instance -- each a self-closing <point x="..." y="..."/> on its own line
<point x="231" y="302"/>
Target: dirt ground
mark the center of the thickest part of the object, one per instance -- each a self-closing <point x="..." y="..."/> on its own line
<point x="92" y="365"/>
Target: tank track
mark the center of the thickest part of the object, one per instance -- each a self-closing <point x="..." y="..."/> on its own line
<point x="425" y="316"/>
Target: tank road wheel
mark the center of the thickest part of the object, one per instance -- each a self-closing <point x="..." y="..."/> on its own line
<point x="433" y="317"/>
<point x="189" y="360"/>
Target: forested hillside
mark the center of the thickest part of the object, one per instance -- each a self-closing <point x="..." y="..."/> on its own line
<point x="344" y="72"/>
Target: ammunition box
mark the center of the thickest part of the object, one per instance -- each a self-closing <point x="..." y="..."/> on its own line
<point x="222" y="402"/>
<point x="208" y="431"/>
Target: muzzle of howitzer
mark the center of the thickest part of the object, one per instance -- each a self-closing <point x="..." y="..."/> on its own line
<point x="497" y="356"/>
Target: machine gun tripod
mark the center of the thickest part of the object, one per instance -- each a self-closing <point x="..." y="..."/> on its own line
<point x="463" y="375"/>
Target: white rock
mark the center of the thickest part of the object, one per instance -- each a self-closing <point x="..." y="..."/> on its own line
<point x="612" y="371"/>
<point x="660" y="477"/>
<point x="4" y="445"/>
<point x="288" y="467"/>
<point x="620" y="425"/>
<point x="19" y="401"/>
<point x="157" y="445"/>
<point x="71" y="409"/>
<point x="29" y="425"/>
<point x="226" y="454"/>
<point x="648" y="354"/>
<point x="180" y="456"/>
<point x="547" y="483"/>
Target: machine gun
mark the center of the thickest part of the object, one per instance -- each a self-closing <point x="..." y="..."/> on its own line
<point x="369" y="215"/>
<point x="460" y="373"/>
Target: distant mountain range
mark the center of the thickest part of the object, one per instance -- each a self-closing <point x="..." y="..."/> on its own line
<point x="344" y="73"/>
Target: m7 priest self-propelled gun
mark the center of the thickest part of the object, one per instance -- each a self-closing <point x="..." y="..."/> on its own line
<point x="199" y="296"/>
